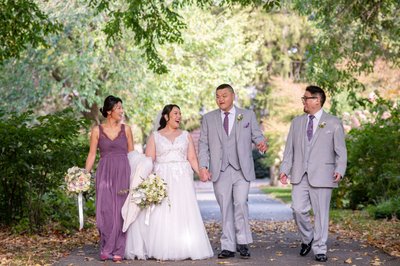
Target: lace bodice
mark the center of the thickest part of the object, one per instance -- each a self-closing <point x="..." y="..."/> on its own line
<point x="167" y="151"/>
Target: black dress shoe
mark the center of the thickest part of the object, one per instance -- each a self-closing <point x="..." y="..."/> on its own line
<point x="321" y="257"/>
<point x="305" y="248"/>
<point x="226" y="254"/>
<point x="243" y="251"/>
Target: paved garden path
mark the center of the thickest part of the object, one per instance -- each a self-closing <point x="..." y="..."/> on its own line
<point x="276" y="241"/>
<point x="261" y="207"/>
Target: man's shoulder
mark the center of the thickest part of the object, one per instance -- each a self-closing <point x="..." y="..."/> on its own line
<point x="297" y="119"/>
<point x="243" y="111"/>
<point x="212" y="113"/>
<point x="331" y="117"/>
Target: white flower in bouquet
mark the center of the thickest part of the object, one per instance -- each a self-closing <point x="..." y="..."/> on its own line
<point x="137" y="196"/>
<point x="77" y="180"/>
<point x="150" y="192"/>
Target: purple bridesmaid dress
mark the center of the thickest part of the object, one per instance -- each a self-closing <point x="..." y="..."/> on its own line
<point x="112" y="176"/>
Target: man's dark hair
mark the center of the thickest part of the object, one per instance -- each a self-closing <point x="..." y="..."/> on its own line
<point x="315" y="90"/>
<point x="225" y="86"/>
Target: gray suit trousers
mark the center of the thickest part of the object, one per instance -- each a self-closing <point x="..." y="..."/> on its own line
<point x="305" y="197"/>
<point x="231" y="191"/>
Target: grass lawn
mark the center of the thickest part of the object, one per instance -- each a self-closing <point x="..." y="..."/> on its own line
<point x="354" y="224"/>
<point x="281" y="193"/>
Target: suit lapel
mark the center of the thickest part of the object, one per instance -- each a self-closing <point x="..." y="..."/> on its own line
<point x="317" y="132"/>
<point x="303" y="131"/>
<point x="218" y="122"/>
<point x="236" y="123"/>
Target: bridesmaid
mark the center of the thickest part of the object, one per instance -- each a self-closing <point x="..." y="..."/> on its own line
<point x="114" y="140"/>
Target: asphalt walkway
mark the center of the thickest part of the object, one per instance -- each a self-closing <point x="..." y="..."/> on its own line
<point x="261" y="207"/>
<point x="276" y="241"/>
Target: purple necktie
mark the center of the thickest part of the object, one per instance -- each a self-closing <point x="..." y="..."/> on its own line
<point x="310" y="127"/>
<point x="226" y="123"/>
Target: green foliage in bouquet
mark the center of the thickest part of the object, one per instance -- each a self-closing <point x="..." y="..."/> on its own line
<point x="373" y="173"/>
<point x="152" y="191"/>
<point x="34" y="156"/>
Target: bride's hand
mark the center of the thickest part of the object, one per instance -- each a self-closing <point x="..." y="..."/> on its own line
<point x="204" y="174"/>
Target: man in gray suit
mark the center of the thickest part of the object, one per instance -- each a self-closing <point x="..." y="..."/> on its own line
<point x="225" y="156"/>
<point x="315" y="157"/>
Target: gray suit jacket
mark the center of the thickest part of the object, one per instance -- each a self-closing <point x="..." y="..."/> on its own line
<point x="328" y="152"/>
<point x="210" y="142"/>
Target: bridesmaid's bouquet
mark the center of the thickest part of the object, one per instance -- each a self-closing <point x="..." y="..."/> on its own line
<point x="77" y="180"/>
<point x="150" y="192"/>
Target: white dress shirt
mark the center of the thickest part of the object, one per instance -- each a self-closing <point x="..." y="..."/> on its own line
<point x="231" y="117"/>
<point x="315" y="120"/>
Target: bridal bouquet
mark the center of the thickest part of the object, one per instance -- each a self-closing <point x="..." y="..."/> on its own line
<point x="150" y="192"/>
<point x="77" y="180"/>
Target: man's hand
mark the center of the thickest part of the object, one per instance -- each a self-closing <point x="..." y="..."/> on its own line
<point x="262" y="146"/>
<point x="204" y="175"/>
<point x="337" y="177"/>
<point x="283" y="178"/>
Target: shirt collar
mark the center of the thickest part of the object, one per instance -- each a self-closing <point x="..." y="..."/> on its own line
<point x="318" y="114"/>
<point x="232" y="111"/>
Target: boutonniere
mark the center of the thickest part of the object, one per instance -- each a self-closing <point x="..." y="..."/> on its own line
<point x="322" y="125"/>
<point x="239" y="117"/>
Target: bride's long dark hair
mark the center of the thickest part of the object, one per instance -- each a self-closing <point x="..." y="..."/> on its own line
<point x="166" y="110"/>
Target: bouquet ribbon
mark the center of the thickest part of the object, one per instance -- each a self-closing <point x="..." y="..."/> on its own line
<point x="80" y="208"/>
<point x="148" y="212"/>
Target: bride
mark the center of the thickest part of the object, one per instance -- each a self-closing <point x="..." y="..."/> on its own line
<point x="174" y="230"/>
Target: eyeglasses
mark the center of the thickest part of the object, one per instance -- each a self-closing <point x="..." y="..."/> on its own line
<point x="304" y="98"/>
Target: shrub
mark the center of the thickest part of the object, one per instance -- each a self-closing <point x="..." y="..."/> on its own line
<point x="263" y="162"/>
<point x="373" y="172"/>
<point x="386" y="209"/>
<point x="63" y="208"/>
<point x="35" y="153"/>
<point x="261" y="167"/>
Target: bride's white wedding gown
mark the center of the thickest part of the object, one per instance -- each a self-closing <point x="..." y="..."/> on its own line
<point x="175" y="230"/>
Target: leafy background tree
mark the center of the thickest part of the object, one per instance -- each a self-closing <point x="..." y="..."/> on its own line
<point x="23" y="24"/>
<point x="352" y="37"/>
<point x="71" y="54"/>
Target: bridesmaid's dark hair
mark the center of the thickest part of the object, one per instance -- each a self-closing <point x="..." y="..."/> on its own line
<point x="166" y="110"/>
<point x="109" y="104"/>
